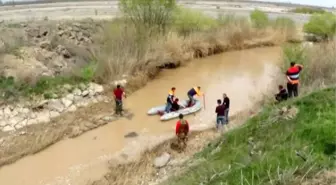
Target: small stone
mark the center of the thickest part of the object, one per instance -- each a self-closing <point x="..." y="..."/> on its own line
<point x="15" y="120"/>
<point x="131" y="134"/>
<point x="7" y="111"/>
<point x="78" y="99"/>
<point x="31" y="122"/>
<point x="43" y="117"/>
<point x="8" y="128"/>
<point x="72" y="108"/>
<point x="3" y="123"/>
<point x="70" y="97"/>
<point x="32" y="115"/>
<point x="14" y="113"/>
<point x="66" y="102"/>
<point x="85" y="93"/>
<point x="25" y="110"/>
<point x="67" y="87"/>
<point x="162" y="161"/>
<point x="77" y="92"/>
<point x="53" y="114"/>
<point x="45" y="45"/>
<point x="82" y="86"/>
<point x="108" y="118"/>
<point x="55" y="104"/>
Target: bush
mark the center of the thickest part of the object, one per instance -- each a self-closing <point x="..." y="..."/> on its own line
<point x="323" y="25"/>
<point x="188" y="20"/>
<point x="154" y="15"/>
<point x="307" y="10"/>
<point x="284" y="23"/>
<point x="259" y="19"/>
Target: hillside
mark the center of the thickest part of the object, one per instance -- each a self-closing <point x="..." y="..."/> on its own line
<point x="286" y="144"/>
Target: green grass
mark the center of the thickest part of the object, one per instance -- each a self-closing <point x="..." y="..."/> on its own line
<point x="312" y="133"/>
<point x="323" y="25"/>
<point x="187" y="20"/>
<point x="307" y="10"/>
<point x="48" y="87"/>
<point x="259" y="19"/>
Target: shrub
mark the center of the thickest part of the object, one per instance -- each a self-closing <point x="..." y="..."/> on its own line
<point x="188" y="20"/>
<point x="308" y="10"/>
<point x="284" y="23"/>
<point x="152" y="14"/>
<point x="323" y="25"/>
<point x="259" y="19"/>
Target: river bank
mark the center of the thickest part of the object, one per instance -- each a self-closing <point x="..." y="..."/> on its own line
<point x="192" y="162"/>
<point x="229" y="36"/>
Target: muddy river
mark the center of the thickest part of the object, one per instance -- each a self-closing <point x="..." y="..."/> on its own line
<point x="243" y="75"/>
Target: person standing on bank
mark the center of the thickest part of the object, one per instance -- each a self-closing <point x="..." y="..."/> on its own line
<point x="226" y="103"/>
<point x="119" y="93"/>
<point x="220" y="111"/>
<point x="293" y="74"/>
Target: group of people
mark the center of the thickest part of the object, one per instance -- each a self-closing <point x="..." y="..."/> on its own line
<point x="223" y="106"/>
<point x="182" y="125"/>
<point x="292" y="74"/>
<point x="173" y="102"/>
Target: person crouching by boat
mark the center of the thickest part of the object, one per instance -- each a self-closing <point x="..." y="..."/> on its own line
<point x="119" y="93"/>
<point x="175" y="105"/>
<point x="182" y="130"/>
<point x="191" y="93"/>
<point x="170" y="100"/>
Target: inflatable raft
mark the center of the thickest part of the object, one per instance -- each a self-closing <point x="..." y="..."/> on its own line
<point x="167" y="116"/>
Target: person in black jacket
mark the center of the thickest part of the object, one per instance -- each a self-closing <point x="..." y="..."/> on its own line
<point x="282" y="95"/>
<point x="226" y="103"/>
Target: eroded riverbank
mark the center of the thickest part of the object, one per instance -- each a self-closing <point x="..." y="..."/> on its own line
<point x="243" y="75"/>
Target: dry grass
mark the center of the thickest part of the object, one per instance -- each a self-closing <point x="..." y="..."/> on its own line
<point x="141" y="170"/>
<point x="119" y="50"/>
<point x="122" y="51"/>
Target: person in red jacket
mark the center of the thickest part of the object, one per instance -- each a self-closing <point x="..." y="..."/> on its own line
<point x="181" y="131"/>
<point x="119" y="93"/>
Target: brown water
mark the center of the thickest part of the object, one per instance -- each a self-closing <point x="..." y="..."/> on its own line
<point x="243" y="75"/>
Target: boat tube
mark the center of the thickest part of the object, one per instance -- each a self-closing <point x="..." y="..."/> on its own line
<point x="167" y="116"/>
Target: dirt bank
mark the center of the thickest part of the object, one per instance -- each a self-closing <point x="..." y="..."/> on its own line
<point x="237" y="73"/>
<point x="142" y="170"/>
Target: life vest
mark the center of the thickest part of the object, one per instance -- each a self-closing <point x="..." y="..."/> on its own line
<point x="294" y="73"/>
<point x="170" y="98"/>
<point x="194" y="91"/>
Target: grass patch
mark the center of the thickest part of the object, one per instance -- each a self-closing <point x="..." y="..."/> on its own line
<point x="307" y="10"/>
<point x="259" y="19"/>
<point x="323" y="25"/>
<point x="267" y="149"/>
<point x="188" y="20"/>
<point x="48" y="87"/>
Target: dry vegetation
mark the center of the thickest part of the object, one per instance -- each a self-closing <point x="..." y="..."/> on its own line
<point x="126" y="47"/>
<point x="319" y="62"/>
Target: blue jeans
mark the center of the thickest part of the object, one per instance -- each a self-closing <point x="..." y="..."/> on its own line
<point x="191" y="100"/>
<point x="168" y="107"/>
<point x="226" y="117"/>
<point x="220" y="121"/>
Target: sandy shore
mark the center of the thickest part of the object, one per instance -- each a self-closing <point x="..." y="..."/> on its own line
<point x="109" y="9"/>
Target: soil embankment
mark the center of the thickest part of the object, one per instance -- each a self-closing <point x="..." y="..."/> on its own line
<point x="244" y="75"/>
